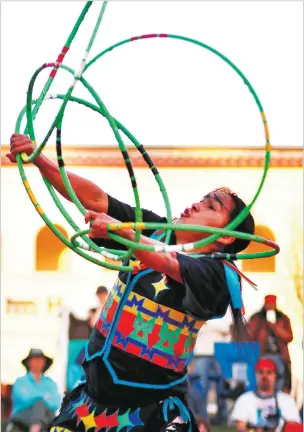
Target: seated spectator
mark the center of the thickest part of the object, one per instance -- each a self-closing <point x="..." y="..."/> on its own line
<point x="271" y="328"/>
<point x="35" y="397"/>
<point x="195" y="398"/>
<point x="81" y="329"/>
<point x="216" y="330"/>
<point x="264" y="408"/>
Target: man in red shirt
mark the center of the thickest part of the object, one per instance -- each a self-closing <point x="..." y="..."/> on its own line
<point x="272" y="329"/>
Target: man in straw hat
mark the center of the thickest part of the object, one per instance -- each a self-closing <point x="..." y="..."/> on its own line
<point x="35" y="396"/>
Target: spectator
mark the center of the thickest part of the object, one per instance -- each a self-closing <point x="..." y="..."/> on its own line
<point x="35" y="397"/>
<point x="264" y="408"/>
<point x="271" y="328"/>
<point x="102" y="294"/>
<point x="92" y="314"/>
<point x="208" y="368"/>
<point x="81" y="329"/>
<point x="195" y="398"/>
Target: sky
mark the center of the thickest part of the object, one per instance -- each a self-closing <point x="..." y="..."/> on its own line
<point x="165" y="91"/>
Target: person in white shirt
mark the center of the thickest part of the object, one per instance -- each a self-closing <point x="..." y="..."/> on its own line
<point x="264" y="408"/>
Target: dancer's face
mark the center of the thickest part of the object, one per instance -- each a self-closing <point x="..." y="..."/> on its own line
<point x="213" y="210"/>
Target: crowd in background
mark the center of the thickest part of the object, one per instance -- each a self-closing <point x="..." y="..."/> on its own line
<point x="264" y="405"/>
<point x="267" y="406"/>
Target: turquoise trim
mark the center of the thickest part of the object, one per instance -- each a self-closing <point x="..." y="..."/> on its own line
<point x="118" y="310"/>
<point x="170" y="404"/>
<point x="234" y="287"/>
<point x="189" y="358"/>
<point x="159" y="236"/>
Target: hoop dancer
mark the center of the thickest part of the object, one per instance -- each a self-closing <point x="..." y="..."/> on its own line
<point x="137" y="356"/>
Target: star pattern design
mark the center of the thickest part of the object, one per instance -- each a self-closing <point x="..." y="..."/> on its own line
<point x="89" y="421"/>
<point x="160" y="286"/>
<point x="124" y="421"/>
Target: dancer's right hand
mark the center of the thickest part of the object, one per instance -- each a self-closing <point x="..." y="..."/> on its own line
<point x="20" y="144"/>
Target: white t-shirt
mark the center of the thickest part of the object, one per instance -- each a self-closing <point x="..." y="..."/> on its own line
<point x="255" y="410"/>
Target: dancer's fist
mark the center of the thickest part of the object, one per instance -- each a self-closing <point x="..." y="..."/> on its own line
<point x="20" y="144"/>
<point x="99" y="222"/>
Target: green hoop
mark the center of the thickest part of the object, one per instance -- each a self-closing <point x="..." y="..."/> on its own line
<point x="31" y="110"/>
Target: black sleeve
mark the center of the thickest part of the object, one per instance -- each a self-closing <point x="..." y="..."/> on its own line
<point x="206" y="290"/>
<point x="125" y="213"/>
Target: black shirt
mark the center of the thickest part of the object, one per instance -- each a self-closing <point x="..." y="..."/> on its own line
<point x="203" y="295"/>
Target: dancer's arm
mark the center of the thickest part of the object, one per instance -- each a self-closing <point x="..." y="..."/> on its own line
<point x="163" y="262"/>
<point x="89" y="194"/>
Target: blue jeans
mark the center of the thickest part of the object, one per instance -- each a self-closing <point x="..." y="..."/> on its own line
<point x="209" y="370"/>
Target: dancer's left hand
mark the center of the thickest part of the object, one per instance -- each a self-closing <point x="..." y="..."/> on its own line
<point x="99" y="221"/>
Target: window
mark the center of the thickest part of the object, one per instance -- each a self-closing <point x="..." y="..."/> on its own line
<point x="49" y="250"/>
<point x="259" y="265"/>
